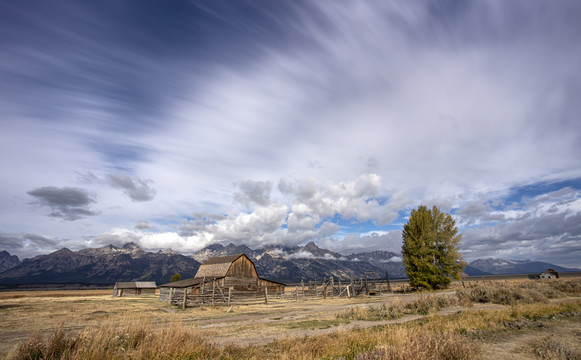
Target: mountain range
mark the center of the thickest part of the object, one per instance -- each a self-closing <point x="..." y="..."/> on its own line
<point x="507" y="267"/>
<point x="109" y="264"/>
<point x="99" y="266"/>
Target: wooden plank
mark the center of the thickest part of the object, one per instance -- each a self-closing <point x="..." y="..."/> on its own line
<point x="185" y="298"/>
<point x="266" y="295"/>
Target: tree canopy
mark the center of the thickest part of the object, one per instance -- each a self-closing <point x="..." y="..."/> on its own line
<point x="176" y="277"/>
<point x="430" y="249"/>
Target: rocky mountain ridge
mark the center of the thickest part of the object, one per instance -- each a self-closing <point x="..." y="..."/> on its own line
<point x="509" y="267"/>
<point x="105" y="265"/>
<point x="308" y="262"/>
<point x="7" y="261"/>
<point x="109" y="264"/>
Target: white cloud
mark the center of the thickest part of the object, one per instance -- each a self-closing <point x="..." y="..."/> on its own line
<point x="369" y="109"/>
<point x="547" y="227"/>
<point x="301" y="255"/>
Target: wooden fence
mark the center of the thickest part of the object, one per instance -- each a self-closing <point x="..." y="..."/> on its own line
<point x="211" y="293"/>
<point x="331" y="287"/>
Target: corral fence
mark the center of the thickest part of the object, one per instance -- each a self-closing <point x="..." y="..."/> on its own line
<point x="331" y="287"/>
<point x="212" y="293"/>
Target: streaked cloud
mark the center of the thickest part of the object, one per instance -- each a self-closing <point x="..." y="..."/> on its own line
<point x="283" y="123"/>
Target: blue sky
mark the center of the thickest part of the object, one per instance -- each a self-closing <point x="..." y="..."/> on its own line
<point x="184" y="124"/>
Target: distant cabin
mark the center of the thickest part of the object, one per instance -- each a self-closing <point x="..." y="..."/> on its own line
<point x="134" y="288"/>
<point x="222" y="279"/>
<point x="549" y="274"/>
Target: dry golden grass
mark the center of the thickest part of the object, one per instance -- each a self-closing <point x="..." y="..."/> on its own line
<point x="52" y="293"/>
<point x="438" y="337"/>
<point x="553" y="348"/>
<point x="99" y="327"/>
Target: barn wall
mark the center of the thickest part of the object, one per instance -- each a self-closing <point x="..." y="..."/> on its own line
<point x="241" y="283"/>
<point x="242" y="267"/>
<point x="272" y="286"/>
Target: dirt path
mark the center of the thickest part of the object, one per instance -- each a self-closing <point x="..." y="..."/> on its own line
<point x="319" y="319"/>
<point x="518" y="344"/>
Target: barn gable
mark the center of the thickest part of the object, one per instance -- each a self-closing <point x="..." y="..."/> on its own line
<point x="228" y="266"/>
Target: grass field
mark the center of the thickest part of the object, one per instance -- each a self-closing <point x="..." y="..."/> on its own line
<point x="478" y="322"/>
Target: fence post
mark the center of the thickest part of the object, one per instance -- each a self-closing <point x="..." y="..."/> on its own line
<point x="352" y="288"/>
<point x="332" y="287"/>
<point x="229" y="294"/>
<point x="213" y="291"/>
<point x="387" y="280"/>
<point x="202" y="292"/>
<point x="303" y="287"/>
<point x="366" y="288"/>
<point x="185" y="297"/>
<point x="266" y="295"/>
<point x="297" y="294"/>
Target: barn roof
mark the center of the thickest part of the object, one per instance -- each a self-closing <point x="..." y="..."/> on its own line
<point x="186" y="282"/>
<point x="136" y="285"/>
<point x="213" y="268"/>
<point x="217" y="266"/>
<point x="271" y="281"/>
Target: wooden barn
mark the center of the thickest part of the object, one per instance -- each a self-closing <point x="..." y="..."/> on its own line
<point x="225" y="279"/>
<point x="134" y="288"/>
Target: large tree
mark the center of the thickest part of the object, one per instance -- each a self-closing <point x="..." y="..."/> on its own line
<point x="430" y="248"/>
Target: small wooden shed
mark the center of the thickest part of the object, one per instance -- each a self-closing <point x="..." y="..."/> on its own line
<point x="549" y="274"/>
<point x="221" y="279"/>
<point x="133" y="288"/>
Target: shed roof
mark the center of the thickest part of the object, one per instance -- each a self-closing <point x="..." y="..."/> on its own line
<point x="136" y="285"/>
<point x="217" y="266"/>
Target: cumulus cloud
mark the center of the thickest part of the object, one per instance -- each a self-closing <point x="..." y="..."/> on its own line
<point x="354" y="243"/>
<point x="257" y="192"/>
<point x="190" y="227"/>
<point x="144" y="225"/>
<point x="136" y="189"/>
<point x="67" y="203"/>
<point x="315" y="208"/>
<point x="351" y="200"/>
